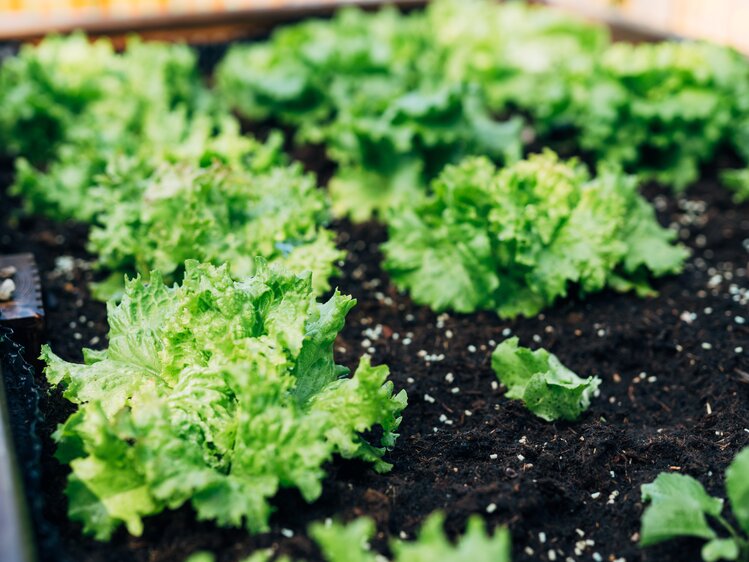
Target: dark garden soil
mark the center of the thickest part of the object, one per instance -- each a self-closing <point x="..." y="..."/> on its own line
<point x="674" y="397"/>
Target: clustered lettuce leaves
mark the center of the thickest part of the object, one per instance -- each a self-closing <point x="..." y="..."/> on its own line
<point x="515" y="240"/>
<point x="522" y="57"/>
<point x="371" y="87"/>
<point x="215" y="392"/>
<point x="70" y="105"/>
<point x="218" y="214"/>
<point x="657" y="110"/>
<point x="661" y="110"/>
<point x="547" y="388"/>
<point x="149" y="157"/>
<point x="349" y="543"/>
<point x="679" y="506"/>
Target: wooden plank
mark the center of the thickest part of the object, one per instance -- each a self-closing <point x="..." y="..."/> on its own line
<point x="25" y="26"/>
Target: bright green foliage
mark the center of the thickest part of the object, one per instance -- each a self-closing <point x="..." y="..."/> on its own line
<point x="340" y="542"/>
<point x="387" y="156"/>
<point x="737" y="487"/>
<point x="215" y="392"/>
<point x="738" y="182"/>
<point x="522" y="57"/>
<point x="547" y="388"/>
<point x="517" y="239"/>
<point x="157" y="219"/>
<point x="372" y="88"/>
<point x="680" y="507"/>
<point x="350" y="543"/>
<point x="70" y="106"/>
<point x="147" y="156"/>
<point x="661" y="110"/>
<point x="48" y="89"/>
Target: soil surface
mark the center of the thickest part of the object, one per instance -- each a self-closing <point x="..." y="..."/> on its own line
<point x="674" y="397"/>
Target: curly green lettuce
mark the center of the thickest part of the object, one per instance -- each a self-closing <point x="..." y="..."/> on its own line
<point x="535" y="68"/>
<point x="371" y="88"/>
<point x="662" y="110"/>
<point x="71" y="105"/>
<point x="517" y="239"/>
<point x="215" y="393"/>
<point x="547" y="388"/>
<point x="350" y="543"/>
<point x="155" y="219"/>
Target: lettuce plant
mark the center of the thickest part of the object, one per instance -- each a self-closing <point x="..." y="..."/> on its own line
<point x="349" y="543"/>
<point x="157" y="219"/>
<point x="215" y="393"/>
<point x="70" y="105"/>
<point x="371" y="88"/>
<point x="535" y="68"/>
<point x="679" y="506"/>
<point x="661" y="110"/>
<point x="547" y="388"/>
<point x="515" y="240"/>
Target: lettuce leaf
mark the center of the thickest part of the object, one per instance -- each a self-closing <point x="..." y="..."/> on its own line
<point x="679" y="506"/>
<point x="70" y="106"/>
<point x="371" y="87"/>
<point x="215" y="392"/>
<point x="517" y="239"/>
<point x="547" y="388"/>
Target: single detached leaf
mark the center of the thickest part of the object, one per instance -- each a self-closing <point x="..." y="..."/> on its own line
<point x="547" y="388"/>
<point x="678" y="506"/>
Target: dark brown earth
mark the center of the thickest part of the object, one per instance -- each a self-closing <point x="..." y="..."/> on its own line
<point x="674" y="397"/>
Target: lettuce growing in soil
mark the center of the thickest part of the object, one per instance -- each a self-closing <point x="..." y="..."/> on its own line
<point x="517" y="239"/>
<point x="679" y="506"/>
<point x="215" y="392"/>
<point x="157" y="219"/>
<point x="536" y="68"/>
<point x="547" y="388"/>
<point x="371" y="88"/>
<point x="70" y="106"/>
<point x="348" y="543"/>
<point x="661" y="110"/>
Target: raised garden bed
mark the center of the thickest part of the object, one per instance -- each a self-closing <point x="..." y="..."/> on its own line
<point x="674" y="397"/>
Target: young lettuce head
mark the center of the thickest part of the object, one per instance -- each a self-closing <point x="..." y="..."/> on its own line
<point x="216" y="393"/>
<point x="517" y="239"/>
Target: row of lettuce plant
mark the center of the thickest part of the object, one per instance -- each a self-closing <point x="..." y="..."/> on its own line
<point x="134" y="144"/>
<point x="396" y="97"/>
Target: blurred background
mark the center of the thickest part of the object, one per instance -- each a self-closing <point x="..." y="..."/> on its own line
<point x="722" y="21"/>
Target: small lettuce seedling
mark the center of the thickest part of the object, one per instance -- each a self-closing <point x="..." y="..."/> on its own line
<point x="680" y="507"/>
<point x="349" y="543"/>
<point x="215" y="393"/>
<point x="546" y="387"/>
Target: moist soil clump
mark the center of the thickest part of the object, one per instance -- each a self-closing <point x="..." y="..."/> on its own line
<point x="674" y="397"/>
